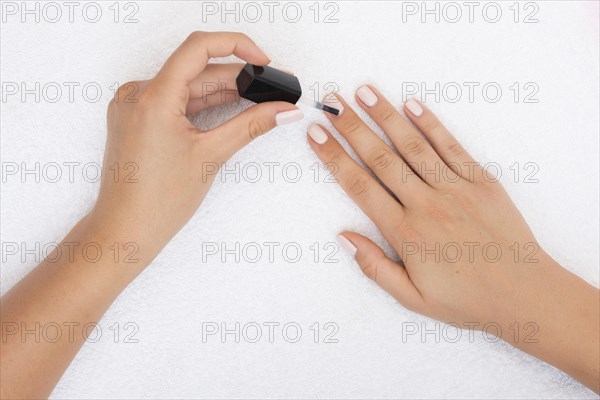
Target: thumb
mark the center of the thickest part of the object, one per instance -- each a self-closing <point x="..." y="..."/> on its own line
<point x="389" y="275"/>
<point x="251" y="123"/>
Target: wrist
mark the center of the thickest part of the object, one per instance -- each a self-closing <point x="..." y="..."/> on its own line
<point x="110" y="244"/>
<point x="556" y="318"/>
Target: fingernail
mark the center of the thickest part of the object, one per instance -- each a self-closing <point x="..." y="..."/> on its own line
<point x="367" y="96"/>
<point x="346" y="245"/>
<point x="414" y="107"/>
<point x="281" y="68"/>
<point x="332" y="101"/>
<point x="317" y="134"/>
<point x="286" y="70"/>
<point x="264" y="53"/>
<point x="287" y="117"/>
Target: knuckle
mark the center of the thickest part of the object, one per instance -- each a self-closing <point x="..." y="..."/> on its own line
<point x="352" y="127"/>
<point x="257" y="127"/>
<point x="335" y="157"/>
<point x="370" y="269"/>
<point x="387" y="115"/>
<point x="430" y="124"/>
<point x="125" y="90"/>
<point x="438" y="214"/>
<point x="381" y="160"/>
<point x="414" y="146"/>
<point x="359" y="185"/>
<point x="336" y="161"/>
<point x="196" y="36"/>
<point x="491" y="189"/>
<point x="241" y="36"/>
<point x="127" y="95"/>
<point x="406" y="234"/>
<point x="450" y="197"/>
<point x="454" y="149"/>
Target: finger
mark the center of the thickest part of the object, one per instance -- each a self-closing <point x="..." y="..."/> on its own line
<point x="216" y="85"/>
<point x="192" y="56"/>
<point x="210" y="100"/>
<point x="234" y="134"/>
<point x="409" y="142"/>
<point x="390" y="276"/>
<point x="369" y="195"/>
<point x="377" y="155"/>
<point x="215" y="78"/>
<point x="444" y="143"/>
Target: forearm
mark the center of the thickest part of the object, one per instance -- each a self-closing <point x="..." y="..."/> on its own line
<point x="71" y="288"/>
<point x="565" y="311"/>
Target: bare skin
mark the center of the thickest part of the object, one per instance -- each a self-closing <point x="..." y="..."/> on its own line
<point x="175" y="168"/>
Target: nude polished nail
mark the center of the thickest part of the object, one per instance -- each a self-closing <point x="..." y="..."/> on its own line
<point x="414" y="107"/>
<point x="287" y="117"/>
<point x="347" y="245"/>
<point x="317" y="134"/>
<point x="367" y="96"/>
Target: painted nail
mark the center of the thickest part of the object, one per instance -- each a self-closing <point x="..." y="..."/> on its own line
<point x="414" y="107"/>
<point x="317" y="134"/>
<point x="332" y="101"/>
<point x="287" y="117"/>
<point x="367" y="96"/>
<point x="346" y="245"/>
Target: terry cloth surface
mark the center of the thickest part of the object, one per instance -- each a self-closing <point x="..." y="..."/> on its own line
<point x="275" y="190"/>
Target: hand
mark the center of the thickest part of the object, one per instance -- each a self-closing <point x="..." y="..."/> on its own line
<point x="158" y="166"/>
<point x="157" y="170"/>
<point x="467" y="255"/>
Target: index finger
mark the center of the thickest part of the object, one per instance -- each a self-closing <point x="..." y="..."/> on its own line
<point x="192" y="56"/>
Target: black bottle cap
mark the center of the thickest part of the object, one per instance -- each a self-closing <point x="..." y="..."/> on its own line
<point x="260" y="84"/>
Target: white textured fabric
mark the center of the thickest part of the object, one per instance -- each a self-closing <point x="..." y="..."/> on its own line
<point x="174" y="299"/>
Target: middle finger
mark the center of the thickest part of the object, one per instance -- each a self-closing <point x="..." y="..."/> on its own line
<point x="377" y="155"/>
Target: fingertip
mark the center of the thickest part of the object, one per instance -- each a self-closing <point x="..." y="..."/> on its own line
<point x="254" y="53"/>
<point x="318" y="134"/>
<point x="360" y="242"/>
<point x="266" y="60"/>
<point x="346" y="244"/>
<point x="262" y="57"/>
<point x="414" y="107"/>
<point x="366" y="95"/>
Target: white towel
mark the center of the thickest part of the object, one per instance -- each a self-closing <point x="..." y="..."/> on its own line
<point x="189" y="290"/>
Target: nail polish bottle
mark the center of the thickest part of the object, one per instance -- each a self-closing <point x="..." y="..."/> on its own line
<point x="260" y="84"/>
